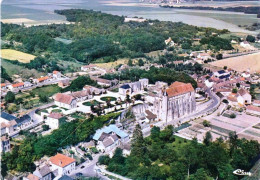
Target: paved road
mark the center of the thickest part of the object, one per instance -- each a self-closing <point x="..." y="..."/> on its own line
<point x="89" y="169"/>
<point x="225" y="56"/>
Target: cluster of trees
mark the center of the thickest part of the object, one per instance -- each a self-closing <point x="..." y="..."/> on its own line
<point x="4" y="75"/>
<point x="164" y="156"/>
<point x="95" y="36"/>
<point x="36" y="146"/>
<point x="42" y="64"/>
<point x="217" y="43"/>
<point x="78" y="83"/>
<point x="250" y="38"/>
<point x="154" y="74"/>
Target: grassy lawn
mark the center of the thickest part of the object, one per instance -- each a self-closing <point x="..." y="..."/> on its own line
<point x="22" y="57"/>
<point x="47" y="90"/>
<point x="90" y="103"/>
<point x="26" y="73"/>
<point x="56" y="110"/>
<point x="107" y="98"/>
<point x="113" y="64"/>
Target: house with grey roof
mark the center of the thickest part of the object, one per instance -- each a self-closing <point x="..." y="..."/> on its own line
<point x="133" y="87"/>
<point x="44" y="173"/>
<point x="8" y="123"/>
<point x="41" y="173"/>
<point x="24" y="121"/>
<point x="65" y="177"/>
<point x="109" y="137"/>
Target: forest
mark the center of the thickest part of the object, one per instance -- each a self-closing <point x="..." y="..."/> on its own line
<point x="163" y="155"/>
<point x="154" y="74"/>
<point x="34" y="146"/>
<point x="98" y="36"/>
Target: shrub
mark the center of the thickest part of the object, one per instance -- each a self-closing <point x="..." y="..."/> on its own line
<point x="206" y="123"/>
<point x="94" y="150"/>
<point x="225" y="101"/>
<point x="104" y="160"/>
<point x="233" y="116"/>
<point x="45" y="127"/>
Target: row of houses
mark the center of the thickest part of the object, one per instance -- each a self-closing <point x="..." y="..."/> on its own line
<point x="31" y="82"/>
<point x="11" y="124"/>
<point x="69" y="100"/>
<point x="58" y="167"/>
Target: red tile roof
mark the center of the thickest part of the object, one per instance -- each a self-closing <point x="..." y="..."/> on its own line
<point x="242" y="92"/>
<point x="55" y="115"/>
<point x="61" y="160"/>
<point x="32" y="177"/>
<point x="253" y="108"/>
<point x="18" y="84"/>
<point x="178" y="88"/>
<point x="43" y="78"/>
<point x="3" y="85"/>
<point x="55" y="72"/>
<point x="256" y="101"/>
<point x="64" y="98"/>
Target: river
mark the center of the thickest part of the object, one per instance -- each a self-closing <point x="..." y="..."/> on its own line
<point x="32" y="12"/>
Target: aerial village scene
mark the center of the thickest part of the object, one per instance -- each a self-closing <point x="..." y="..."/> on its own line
<point x="104" y="96"/>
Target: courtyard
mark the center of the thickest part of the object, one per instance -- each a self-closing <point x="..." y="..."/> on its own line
<point x="246" y="126"/>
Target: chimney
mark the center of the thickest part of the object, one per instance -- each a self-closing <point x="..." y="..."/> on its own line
<point x="60" y="162"/>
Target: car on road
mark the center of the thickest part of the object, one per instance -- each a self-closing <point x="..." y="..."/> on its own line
<point x="82" y="167"/>
<point x="100" y="172"/>
<point x="79" y="174"/>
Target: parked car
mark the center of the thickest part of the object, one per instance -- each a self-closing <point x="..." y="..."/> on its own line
<point x="79" y="174"/>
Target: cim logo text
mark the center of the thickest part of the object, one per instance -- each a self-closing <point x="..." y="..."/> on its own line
<point x="242" y="172"/>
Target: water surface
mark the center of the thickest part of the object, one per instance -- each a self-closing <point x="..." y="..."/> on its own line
<point x="41" y="11"/>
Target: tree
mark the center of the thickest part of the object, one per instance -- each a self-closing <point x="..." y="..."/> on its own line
<point x="45" y="127"/>
<point x="225" y="67"/>
<point x="233" y="141"/>
<point x="155" y="133"/>
<point x="225" y="101"/>
<point x="208" y="138"/>
<point x="200" y="174"/>
<point x="233" y="116"/>
<point x="9" y="97"/>
<point x="140" y="62"/>
<point x="219" y="56"/>
<point x="206" y="123"/>
<point x="43" y="98"/>
<point x="104" y="160"/>
<point x="250" y="38"/>
<point x="32" y="94"/>
<point x="130" y="62"/>
<point x="137" y="147"/>
<point x="118" y="156"/>
<point x="238" y="85"/>
<point x="12" y="108"/>
<point x="234" y="90"/>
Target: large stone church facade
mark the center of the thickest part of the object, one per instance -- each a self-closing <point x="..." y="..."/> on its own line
<point x="173" y="102"/>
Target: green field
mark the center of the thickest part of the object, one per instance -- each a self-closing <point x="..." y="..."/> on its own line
<point x="47" y="90"/>
<point x="25" y="73"/>
<point x="12" y="55"/>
